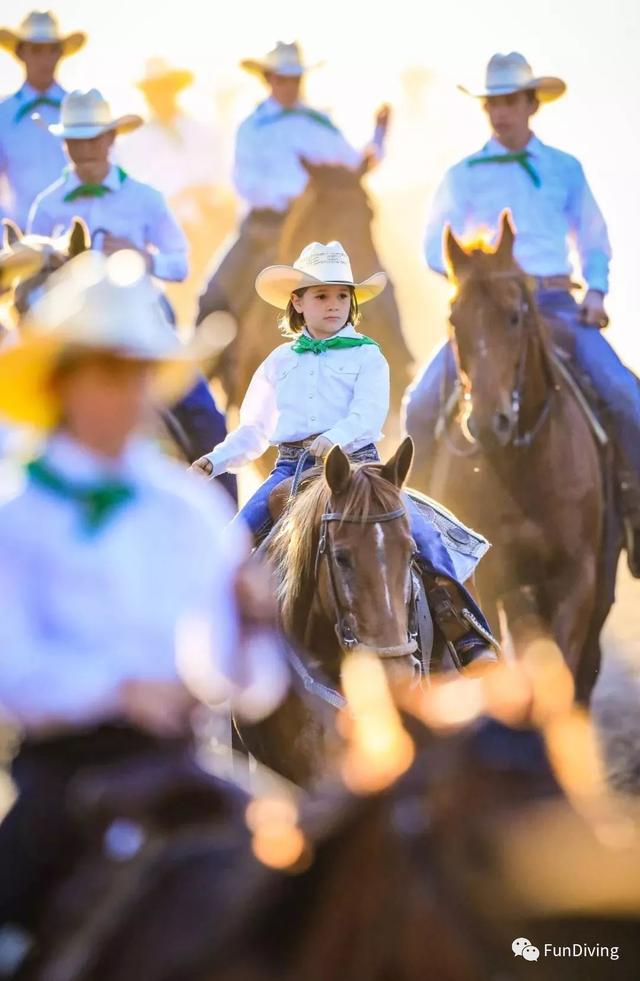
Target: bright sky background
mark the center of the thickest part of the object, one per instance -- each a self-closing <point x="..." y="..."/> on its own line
<point x="366" y="47"/>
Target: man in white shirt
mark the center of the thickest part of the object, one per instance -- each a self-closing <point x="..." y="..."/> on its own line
<point x="115" y="565"/>
<point x="553" y="208"/>
<point x="122" y="213"/>
<point x="268" y="173"/>
<point x="31" y="158"/>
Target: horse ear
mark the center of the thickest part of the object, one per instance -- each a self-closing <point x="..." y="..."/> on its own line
<point x="456" y="259"/>
<point x="79" y="238"/>
<point x="11" y="233"/>
<point x="337" y="470"/>
<point x="395" y="470"/>
<point x="504" y="248"/>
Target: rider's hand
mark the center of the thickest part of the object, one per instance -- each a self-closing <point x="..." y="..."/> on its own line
<point x="203" y="466"/>
<point x="320" y="447"/>
<point x="160" y="707"/>
<point x="116" y="243"/>
<point x="592" y="311"/>
<point x="382" y="116"/>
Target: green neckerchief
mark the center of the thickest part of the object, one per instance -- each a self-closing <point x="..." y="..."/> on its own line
<point x="97" y="502"/>
<point x="28" y="107"/>
<point x="305" y="343"/>
<point x="317" y="117"/>
<point x="93" y="190"/>
<point x="521" y="158"/>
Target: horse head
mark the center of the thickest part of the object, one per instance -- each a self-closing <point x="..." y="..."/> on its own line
<point x="26" y="261"/>
<point x="344" y="552"/>
<point x="496" y="334"/>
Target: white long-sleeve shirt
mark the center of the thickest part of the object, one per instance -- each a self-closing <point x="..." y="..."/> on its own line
<point x="31" y="158"/>
<point x="81" y="613"/>
<point x="549" y="219"/>
<point x="131" y="209"/>
<point x="342" y="393"/>
<point x="269" y="144"/>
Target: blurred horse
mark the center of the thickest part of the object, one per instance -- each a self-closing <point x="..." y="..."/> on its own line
<point x="343" y="555"/>
<point x="334" y="205"/>
<point x="517" y="459"/>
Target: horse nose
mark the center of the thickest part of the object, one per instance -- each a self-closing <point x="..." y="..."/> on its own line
<point x="502" y="426"/>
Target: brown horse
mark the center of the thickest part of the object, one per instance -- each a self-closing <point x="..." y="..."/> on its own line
<point x="520" y="463"/>
<point x="334" y="205"/>
<point x="343" y="555"/>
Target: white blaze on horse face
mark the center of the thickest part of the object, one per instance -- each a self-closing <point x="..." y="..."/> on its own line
<point x="382" y="565"/>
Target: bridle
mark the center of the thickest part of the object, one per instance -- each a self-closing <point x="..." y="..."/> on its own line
<point x="520" y="439"/>
<point x="347" y="638"/>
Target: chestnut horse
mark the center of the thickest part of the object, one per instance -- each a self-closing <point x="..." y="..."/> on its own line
<point x="520" y="463"/>
<point x="343" y="555"/>
<point x="334" y="205"/>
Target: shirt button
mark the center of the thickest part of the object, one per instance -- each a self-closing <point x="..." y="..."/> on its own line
<point x="313" y="418"/>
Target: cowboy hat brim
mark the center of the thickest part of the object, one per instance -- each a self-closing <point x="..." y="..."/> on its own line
<point x="26" y="395"/>
<point x="261" y="68"/>
<point x="124" y="124"/>
<point x="9" y="40"/>
<point x="547" y="89"/>
<point x="175" y="78"/>
<point x="275" y="284"/>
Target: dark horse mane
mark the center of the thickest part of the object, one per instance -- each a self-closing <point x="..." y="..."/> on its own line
<point x="294" y="542"/>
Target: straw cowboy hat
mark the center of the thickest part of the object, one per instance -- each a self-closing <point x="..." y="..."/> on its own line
<point x="160" y="74"/>
<point x="41" y="28"/>
<point x="316" y="265"/>
<point x="513" y="73"/>
<point x="84" y="115"/>
<point x="93" y="303"/>
<point x="284" y="59"/>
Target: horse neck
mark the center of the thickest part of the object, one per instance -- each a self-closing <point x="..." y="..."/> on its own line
<point x="322" y="215"/>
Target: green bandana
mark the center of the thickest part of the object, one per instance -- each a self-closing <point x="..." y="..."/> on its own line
<point x="96" y="502"/>
<point x="305" y="343"/>
<point x="93" y="190"/>
<point x="317" y="117"/>
<point x="521" y="158"/>
<point x="28" y="107"/>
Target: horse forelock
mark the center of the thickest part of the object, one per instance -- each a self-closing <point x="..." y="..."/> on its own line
<point x="294" y="544"/>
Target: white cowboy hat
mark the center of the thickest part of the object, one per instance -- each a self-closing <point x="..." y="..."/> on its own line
<point x="316" y="265"/>
<point x="513" y="73"/>
<point x="41" y="28"/>
<point x="158" y="72"/>
<point x="284" y="59"/>
<point x="96" y="304"/>
<point x="84" y="115"/>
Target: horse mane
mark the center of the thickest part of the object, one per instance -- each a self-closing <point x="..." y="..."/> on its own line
<point x="292" y="548"/>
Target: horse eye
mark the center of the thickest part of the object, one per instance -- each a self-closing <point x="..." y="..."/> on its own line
<point x="514" y="318"/>
<point x="343" y="560"/>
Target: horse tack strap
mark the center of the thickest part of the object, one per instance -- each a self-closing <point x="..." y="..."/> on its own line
<point x="371" y="519"/>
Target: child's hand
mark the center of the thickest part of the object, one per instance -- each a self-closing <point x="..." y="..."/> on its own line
<point x="320" y="447"/>
<point x="202" y="466"/>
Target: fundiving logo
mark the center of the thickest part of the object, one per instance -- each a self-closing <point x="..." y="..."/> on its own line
<point x="524" y="948"/>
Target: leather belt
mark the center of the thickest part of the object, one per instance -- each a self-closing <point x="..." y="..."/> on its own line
<point x="560" y="282"/>
<point x="293" y="451"/>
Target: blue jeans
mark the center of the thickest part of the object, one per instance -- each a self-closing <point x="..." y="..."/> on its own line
<point x="616" y="385"/>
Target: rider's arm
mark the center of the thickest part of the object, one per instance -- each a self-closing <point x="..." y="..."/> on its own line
<point x="369" y="405"/>
<point x="40" y="222"/>
<point x="169" y="247"/>
<point x="257" y="174"/>
<point x="589" y="231"/>
<point x="448" y="208"/>
<point x="258" y="417"/>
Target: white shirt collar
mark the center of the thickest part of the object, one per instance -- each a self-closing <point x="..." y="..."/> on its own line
<point x="27" y="92"/>
<point x="494" y="146"/>
<point x="271" y="107"/>
<point x="112" y="180"/>
<point x="77" y="462"/>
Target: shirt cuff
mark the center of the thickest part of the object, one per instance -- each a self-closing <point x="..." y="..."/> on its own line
<point x="596" y="272"/>
<point x="170" y="266"/>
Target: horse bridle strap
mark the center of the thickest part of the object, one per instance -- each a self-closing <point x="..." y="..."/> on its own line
<point x="348" y="640"/>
